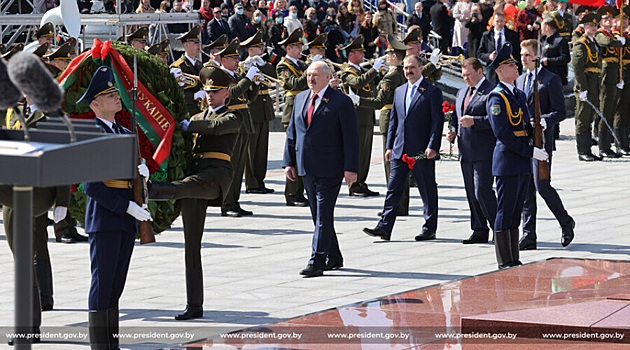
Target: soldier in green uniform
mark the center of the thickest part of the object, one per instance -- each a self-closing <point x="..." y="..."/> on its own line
<point x="609" y="48"/>
<point x="261" y="111"/>
<point x="58" y="60"/>
<point x="586" y="63"/>
<point x="430" y="70"/>
<point x="396" y="52"/>
<point x="622" y="117"/>
<point x="160" y="50"/>
<point x="138" y="39"/>
<point x="215" y="131"/>
<point x="216" y="46"/>
<point x="292" y="74"/>
<point x="564" y="20"/>
<point x="242" y="93"/>
<point x="41" y="50"/>
<point x="189" y="64"/>
<point x="46" y="34"/>
<point x="362" y="83"/>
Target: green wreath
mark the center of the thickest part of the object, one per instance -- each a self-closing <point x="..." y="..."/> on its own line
<point x="155" y="76"/>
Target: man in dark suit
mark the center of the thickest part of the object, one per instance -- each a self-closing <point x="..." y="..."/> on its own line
<point x="555" y="50"/>
<point x="323" y="144"/>
<point x="241" y="27"/>
<point x="442" y="24"/>
<point x="421" y="20"/>
<point x="511" y="159"/>
<point x="475" y="141"/>
<point x="498" y="35"/>
<point x="111" y="218"/>
<point x="552" y="112"/>
<point x="218" y="26"/>
<point x="415" y="130"/>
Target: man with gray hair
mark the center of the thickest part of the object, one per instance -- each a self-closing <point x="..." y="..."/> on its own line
<point x="323" y="146"/>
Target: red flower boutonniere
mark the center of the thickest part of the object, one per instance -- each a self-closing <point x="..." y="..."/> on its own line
<point x="422" y="89"/>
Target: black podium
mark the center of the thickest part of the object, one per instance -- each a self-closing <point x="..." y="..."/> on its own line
<point x="50" y="159"/>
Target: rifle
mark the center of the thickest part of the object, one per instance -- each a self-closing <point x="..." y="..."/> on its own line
<point x="543" y="166"/>
<point x="140" y="192"/>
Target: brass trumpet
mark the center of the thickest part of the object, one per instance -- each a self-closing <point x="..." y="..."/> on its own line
<point x="266" y="79"/>
<point x="444" y="59"/>
<point x="383" y="70"/>
<point x="189" y="80"/>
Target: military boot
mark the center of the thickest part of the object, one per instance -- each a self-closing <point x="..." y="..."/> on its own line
<point x="514" y="239"/>
<point x="583" y="142"/>
<point x="624" y="146"/>
<point x="98" y="328"/>
<point x="161" y="191"/>
<point x="43" y="273"/>
<point x="194" y="294"/>
<point x="113" y="324"/>
<point x="502" y="248"/>
<point x="604" y="145"/>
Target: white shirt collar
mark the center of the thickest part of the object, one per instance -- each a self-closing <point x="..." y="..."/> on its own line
<point x="479" y="83"/>
<point x="509" y="86"/>
<point x="109" y="124"/>
<point x="228" y="71"/>
<point x="416" y="85"/>
<point x="537" y="70"/>
<point x="216" y="109"/>
<point x="498" y="32"/>
<point x="561" y="12"/>
<point x="355" y="66"/>
<point x="192" y="60"/>
<point x="320" y="94"/>
<point x="292" y="60"/>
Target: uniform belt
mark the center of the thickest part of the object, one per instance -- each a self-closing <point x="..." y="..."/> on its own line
<point x="237" y="107"/>
<point x="263" y="92"/>
<point x="610" y="60"/>
<point x="520" y="133"/>
<point x="625" y="61"/>
<point x="386" y="107"/>
<point x="592" y="70"/>
<point x="291" y="93"/>
<point x="118" y="184"/>
<point x="212" y="155"/>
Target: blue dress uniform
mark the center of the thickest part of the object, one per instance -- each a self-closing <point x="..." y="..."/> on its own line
<point x="111" y="234"/>
<point x="511" y="160"/>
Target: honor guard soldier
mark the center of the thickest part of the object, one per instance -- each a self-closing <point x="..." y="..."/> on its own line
<point x="242" y="93"/>
<point x="215" y="132"/>
<point x="160" y="50"/>
<point x="138" y="39"/>
<point x="610" y="49"/>
<point x="46" y="34"/>
<point x="431" y="71"/>
<point x="580" y="12"/>
<point x="361" y="83"/>
<point x="396" y="52"/>
<point x="564" y="20"/>
<point x="292" y="74"/>
<point x="261" y="111"/>
<point x="511" y="162"/>
<point x="59" y="59"/>
<point x="622" y="125"/>
<point x="586" y="62"/>
<point x="189" y="64"/>
<point x="216" y="46"/>
<point x="111" y="221"/>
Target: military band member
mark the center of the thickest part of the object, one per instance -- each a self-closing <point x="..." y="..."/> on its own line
<point x="317" y="48"/>
<point x="431" y="71"/>
<point x="551" y="113"/>
<point x="586" y="62"/>
<point x="395" y="54"/>
<point x="41" y="50"/>
<point x="111" y="219"/>
<point x="138" y="39"/>
<point x="261" y="111"/>
<point x="511" y="161"/>
<point x="59" y="59"/>
<point x="362" y="83"/>
<point x="215" y="47"/>
<point x="622" y="120"/>
<point x="609" y="48"/>
<point x="3" y="49"/>
<point x="160" y="50"/>
<point x="292" y="74"/>
<point x="15" y="48"/>
<point x="563" y="20"/>
<point x="189" y="64"/>
<point x="244" y="91"/>
<point x="46" y="34"/>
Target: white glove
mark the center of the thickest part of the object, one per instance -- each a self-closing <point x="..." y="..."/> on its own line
<point x="252" y="72"/>
<point x="143" y="170"/>
<point x="184" y="124"/>
<point x="60" y="213"/>
<point x="436" y="54"/>
<point x="354" y="97"/>
<point x="379" y="63"/>
<point x="138" y="212"/>
<point x="316" y="58"/>
<point x="543" y="123"/>
<point x="620" y="85"/>
<point x="178" y="74"/>
<point x="583" y="96"/>
<point x="258" y="61"/>
<point x="199" y="95"/>
<point x="540" y="154"/>
<point x="622" y="40"/>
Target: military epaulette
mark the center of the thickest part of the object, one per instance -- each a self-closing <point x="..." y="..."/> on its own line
<point x="497" y="89"/>
<point x="605" y="32"/>
<point x="583" y="40"/>
<point x="178" y="62"/>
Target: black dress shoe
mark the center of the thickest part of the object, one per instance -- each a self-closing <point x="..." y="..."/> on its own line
<point x="190" y="313"/>
<point x="66" y="238"/>
<point x="378" y="232"/>
<point x="77" y="236"/>
<point x="588" y="157"/>
<point x="609" y="153"/>
<point x="312" y="271"/>
<point x="425" y="236"/>
<point x="359" y="193"/>
<point x="244" y="212"/>
<point x="333" y="265"/>
<point x="260" y="190"/>
<point x="474" y="239"/>
<point x="526" y="243"/>
<point x="231" y="213"/>
<point x="371" y="193"/>
<point x="295" y="203"/>
<point x="567" y="233"/>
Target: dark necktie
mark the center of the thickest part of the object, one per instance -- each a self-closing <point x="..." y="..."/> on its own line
<point x="528" y="84"/>
<point x="469" y="96"/>
<point x="311" y="109"/>
<point x="116" y="128"/>
<point x="499" y="41"/>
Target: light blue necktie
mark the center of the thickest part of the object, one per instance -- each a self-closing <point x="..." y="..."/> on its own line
<point x="410" y="98"/>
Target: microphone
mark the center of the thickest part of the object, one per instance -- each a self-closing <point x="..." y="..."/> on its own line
<point x="10" y="95"/>
<point x="31" y="76"/>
